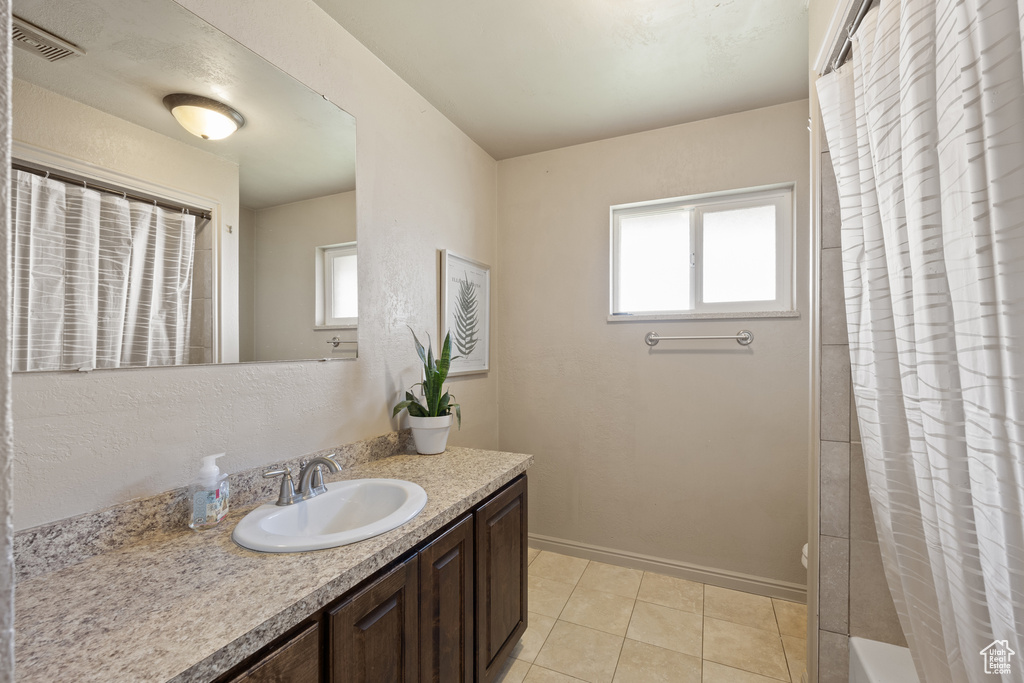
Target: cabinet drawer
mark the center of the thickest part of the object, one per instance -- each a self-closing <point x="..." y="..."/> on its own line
<point x="297" y="661"/>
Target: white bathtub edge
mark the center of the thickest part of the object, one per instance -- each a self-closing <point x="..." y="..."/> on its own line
<point x="874" y="662"/>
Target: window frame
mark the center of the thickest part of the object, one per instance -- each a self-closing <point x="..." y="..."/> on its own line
<point x="325" y="287"/>
<point x="783" y="305"/>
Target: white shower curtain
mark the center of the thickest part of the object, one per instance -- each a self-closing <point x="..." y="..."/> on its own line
<point x="99" y="281"/>
<point x="926" y="130"/>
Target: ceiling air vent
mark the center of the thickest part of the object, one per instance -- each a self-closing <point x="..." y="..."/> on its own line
<point x="38" y="41"/>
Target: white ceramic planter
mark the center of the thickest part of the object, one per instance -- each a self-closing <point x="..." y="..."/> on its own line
<point x="430" y="433"/>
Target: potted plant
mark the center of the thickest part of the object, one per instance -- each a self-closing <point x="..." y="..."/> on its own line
<point x="431" y="418"/>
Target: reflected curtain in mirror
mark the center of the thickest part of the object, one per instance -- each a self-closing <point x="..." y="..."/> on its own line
<point x="99" y="281"/>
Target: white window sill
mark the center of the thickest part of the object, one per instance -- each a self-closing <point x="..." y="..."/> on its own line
<point x="727" y="315"/>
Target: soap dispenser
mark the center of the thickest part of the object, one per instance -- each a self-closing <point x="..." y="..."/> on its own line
<point x="208" y="496"/>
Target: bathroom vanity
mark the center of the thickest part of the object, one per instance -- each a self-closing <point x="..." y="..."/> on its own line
<point x="441" y="598"/>
<point x="450" y="610"/>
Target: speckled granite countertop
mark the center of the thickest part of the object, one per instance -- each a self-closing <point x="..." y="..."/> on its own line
<point x="185" y="606"/>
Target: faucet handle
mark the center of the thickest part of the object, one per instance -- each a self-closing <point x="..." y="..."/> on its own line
<point x="270" y="474"/>
<point x="287" y="494"/>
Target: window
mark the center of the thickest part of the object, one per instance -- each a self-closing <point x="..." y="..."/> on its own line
<point x="337" y="294"/>
<point x="725" y="254"/>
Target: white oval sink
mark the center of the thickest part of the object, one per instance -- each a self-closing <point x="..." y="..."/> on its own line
<point x="349" y="511"/>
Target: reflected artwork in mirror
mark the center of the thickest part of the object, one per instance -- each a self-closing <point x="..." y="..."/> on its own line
<point x="138" y="243"/>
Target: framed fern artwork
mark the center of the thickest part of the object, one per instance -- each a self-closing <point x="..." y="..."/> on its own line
<point x="466" y="312"/>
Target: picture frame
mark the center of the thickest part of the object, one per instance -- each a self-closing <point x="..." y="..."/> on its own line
<point x="466" y="312"/>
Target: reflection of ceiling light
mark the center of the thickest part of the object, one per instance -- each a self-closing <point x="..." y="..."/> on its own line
<point x="203" y="117"/>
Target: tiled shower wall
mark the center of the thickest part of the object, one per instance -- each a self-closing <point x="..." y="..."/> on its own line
<point x="853" y="597"/>
<point x="201" y="333"/>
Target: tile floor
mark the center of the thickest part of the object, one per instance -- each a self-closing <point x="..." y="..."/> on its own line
<point x="600" y="623"/>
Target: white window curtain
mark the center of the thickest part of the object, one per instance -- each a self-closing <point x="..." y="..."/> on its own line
<point x="99" y="281"/>
<point x="926" y="130"/>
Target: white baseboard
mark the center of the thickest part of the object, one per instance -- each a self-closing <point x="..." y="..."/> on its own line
<point x="716" y="577"/>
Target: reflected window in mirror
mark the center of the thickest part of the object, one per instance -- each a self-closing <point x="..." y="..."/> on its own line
<point x="284" y="278"/>
<point x="337" y="290"/>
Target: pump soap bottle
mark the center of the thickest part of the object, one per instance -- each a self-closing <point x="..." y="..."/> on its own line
<point x="208" y="496"/>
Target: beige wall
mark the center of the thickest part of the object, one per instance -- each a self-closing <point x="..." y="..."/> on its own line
<point x="286" y="238"/>
<point x="88" y="440"/>
<point x="695" y="454"/>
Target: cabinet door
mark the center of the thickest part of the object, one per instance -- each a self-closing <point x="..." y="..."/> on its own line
<point x="373" y="633"/>
<point x="446" y="606"/>
<point x="297" y="661"/>
<point x="500" y="578"/>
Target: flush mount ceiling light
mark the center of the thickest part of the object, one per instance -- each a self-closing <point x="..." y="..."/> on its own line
<point x="203" y="117"/>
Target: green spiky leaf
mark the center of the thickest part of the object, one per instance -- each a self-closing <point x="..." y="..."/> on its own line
<point x="436" y="401"/>
<point x="445" y="362"/>
<point x="400" y="407"/>
<point x="419" y="348"/>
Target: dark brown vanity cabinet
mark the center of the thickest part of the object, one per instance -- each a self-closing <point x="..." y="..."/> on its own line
<point x="501" y="579"/>
<point x="297" y="660"/>
<point x="373" y="634"/>
<point x="446" y="606"/>
<point x="449" y="611"/>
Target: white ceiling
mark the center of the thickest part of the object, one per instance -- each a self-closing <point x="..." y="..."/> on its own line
<point x="522" y="76"/>
<point x="294" y="146"/>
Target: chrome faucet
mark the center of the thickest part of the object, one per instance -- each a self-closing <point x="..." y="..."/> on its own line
<point x="311" y="480"/>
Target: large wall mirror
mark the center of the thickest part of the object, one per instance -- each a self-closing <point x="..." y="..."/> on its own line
<point x="137" y="243"/>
